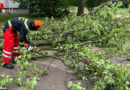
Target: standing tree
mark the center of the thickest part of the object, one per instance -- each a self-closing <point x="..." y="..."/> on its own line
<point x="81" y="7"/>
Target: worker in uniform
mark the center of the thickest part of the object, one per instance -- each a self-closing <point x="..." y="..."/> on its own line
<point x="11" y="38"/>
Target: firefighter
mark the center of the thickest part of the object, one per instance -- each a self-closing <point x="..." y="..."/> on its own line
<point x="11" y="38"/>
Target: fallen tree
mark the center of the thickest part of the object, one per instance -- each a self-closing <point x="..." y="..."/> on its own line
<point x="74" y="37"/>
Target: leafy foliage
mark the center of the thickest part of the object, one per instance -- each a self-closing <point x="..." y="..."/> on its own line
<point x="28" y="74"/>
<point x="93" y="3"/>
<point x="74" y="37"/>
<point x="75" y="86"/>
<point x="47" y="7"/>
<point x="125" y="3"/>
<point x="5" y="81"/>
<point x="33" y="5"/>
<point x="55" y="7"/>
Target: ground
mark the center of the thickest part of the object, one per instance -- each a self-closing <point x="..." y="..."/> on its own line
<point x="121" y="59"/>
<point x="57" y="78"/>
<point x="58" y="75"/>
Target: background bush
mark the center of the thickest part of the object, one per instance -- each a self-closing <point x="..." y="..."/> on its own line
<point x="55" y="7"/>
<point x="93" y="3"/>
<point x="125" y="3"/>
<point x="47" y="7"/>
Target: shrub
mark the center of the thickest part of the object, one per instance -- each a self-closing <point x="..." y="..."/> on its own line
<point x="93" y="3"/>
<point x="55" y="7"/>
<point x="125" y="3"/>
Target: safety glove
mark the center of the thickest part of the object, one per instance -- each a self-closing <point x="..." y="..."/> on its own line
<point x="29" y="47"/>
<point x="26" y="45"/>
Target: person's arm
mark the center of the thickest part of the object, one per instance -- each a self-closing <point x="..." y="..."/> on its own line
<point x="25" y="40"/>
<point x="22" y="35"/>
<point x="0" y="10"/>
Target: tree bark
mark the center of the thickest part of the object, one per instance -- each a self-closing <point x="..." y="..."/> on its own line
<point x="81" y="7"/>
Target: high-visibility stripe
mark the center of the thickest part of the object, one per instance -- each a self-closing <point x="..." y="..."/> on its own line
<point x="21" y="18"/>
<point x="9" y="22"/>
<point x="15" y="48"/>
<point x="25" y="23"/>
<point x="15" y="51"/>
<point x="6" y="56"/>
<point x="7" y="52"/>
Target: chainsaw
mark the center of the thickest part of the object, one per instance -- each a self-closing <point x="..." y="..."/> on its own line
<point x="29" y="47"/>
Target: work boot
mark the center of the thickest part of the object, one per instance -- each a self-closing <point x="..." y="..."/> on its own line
<point x="9" y="66"/>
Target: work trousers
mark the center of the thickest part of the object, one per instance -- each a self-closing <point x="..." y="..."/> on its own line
<point x="11" y="43"/>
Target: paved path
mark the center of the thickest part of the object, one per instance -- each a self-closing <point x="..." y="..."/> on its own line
<point x="57" y="78"/>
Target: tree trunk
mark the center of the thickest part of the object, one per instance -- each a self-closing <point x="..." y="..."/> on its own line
<point x="81" y="7"/>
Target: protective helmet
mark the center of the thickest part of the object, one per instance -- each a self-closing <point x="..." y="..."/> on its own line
<point x="38" y="24"/>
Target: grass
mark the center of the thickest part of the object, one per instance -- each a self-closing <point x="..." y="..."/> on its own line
<point x="75" y="9"/>
<point x="124" y="10"/>
<point x="5" y="17"/>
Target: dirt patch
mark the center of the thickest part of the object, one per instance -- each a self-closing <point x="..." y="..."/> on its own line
<point x="121" y="59"/>
<point x="8" y="71"/>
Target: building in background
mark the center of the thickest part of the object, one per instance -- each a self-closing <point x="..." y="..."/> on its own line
<point x="13" y="7"/>
<point x="9" y="4"/>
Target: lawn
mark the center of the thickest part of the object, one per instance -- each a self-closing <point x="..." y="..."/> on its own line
<point x="5" y="17"/>
<point x="74" y="9"/>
